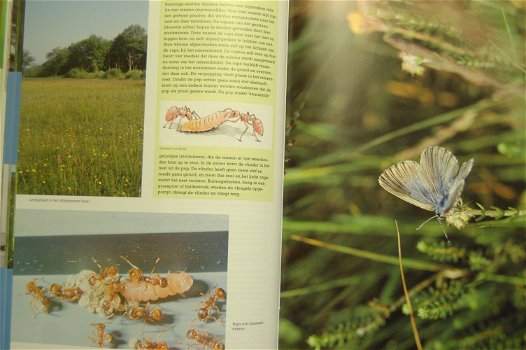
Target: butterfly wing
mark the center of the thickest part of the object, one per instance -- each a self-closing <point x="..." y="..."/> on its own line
<point x="464" y="170"/>
<point x="440" y="169"/>
<point x="407" y="181"/>
<point x="435" y="184"/>
<point x="443" y="177"/>
<point x="456" y="188"/>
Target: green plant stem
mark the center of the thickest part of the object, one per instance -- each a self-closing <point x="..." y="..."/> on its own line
<point x="515" y="280"/>
<point x="425" y="124"/>
<point x="415" y="290"/>
<point x="435" y="42"/>
<point x="411" y="263"/>
<point x="495" y="213"/>
<point x="406" y="293"/>
<point x="320" y="287"/>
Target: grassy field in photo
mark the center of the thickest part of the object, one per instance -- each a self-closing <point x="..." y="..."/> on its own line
<point x="81" y="137"/>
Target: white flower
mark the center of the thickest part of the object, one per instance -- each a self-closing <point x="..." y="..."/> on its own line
<point x="412" y="63"/>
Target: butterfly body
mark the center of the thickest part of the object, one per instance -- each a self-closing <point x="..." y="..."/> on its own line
<point x="434" y="184"/>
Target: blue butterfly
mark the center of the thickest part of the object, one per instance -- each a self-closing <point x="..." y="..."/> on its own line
<point x="434" y="184"/>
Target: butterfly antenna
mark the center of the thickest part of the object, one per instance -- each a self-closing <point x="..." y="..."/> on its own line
<point x="438" y="219"/>
<point x="442" y="227"/>
<point x="425" y="222"/>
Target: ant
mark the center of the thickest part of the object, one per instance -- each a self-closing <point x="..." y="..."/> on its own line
<point x="69" y="294"/>
<point x="100" y="336"/>
<point x="205" y="315"/>
<point x="143" y="312"/>
<point x="249" y="120"/>
<point x="208" y="308"/>
<point x="151" y="345"/>
<point x="38" y="295"/>
<point x="111" y="301"/>
<point x="175" y="111"/>
<point x="108" y="272"/>
<point x="135" y="274"/>
<point x="205" y="340"/>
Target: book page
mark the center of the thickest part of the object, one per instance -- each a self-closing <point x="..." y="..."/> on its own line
<point x="176" y="239"/>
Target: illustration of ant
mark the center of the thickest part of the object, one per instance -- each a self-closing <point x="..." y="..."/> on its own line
<point x="37" y="294"/>
<point x="174" y="112"/>
<point x="249" y="120"/>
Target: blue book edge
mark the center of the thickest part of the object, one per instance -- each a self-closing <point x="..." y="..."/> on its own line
<point x="6" y="290"/>
<point x="10" y="158"/>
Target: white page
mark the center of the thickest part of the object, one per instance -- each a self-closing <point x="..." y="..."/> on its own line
<point x="225" y="234"/>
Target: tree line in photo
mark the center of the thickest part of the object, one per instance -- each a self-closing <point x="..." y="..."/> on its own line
<point x="94" y="57"/>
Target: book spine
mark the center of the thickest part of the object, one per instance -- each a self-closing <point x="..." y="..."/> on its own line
<point x="11" y="53"/>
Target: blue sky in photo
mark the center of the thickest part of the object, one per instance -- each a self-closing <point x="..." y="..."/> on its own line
<point x="51" y="24"/>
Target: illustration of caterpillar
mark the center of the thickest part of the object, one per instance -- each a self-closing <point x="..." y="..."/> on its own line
<point x="196" y="124"/>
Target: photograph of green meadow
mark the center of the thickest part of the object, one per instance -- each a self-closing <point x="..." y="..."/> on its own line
<point x="82" y="109"/>
<point x="81" y="137"/>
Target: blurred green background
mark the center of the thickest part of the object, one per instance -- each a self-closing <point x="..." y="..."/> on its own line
<point x="373" y="83"/>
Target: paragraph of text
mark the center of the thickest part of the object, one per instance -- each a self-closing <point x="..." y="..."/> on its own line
<point x="210" y="48"/>
<point x="213" y="176"/>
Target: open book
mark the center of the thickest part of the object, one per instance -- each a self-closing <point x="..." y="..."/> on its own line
<point x="149" y="174"/>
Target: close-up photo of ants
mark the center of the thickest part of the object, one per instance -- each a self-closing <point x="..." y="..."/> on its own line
<point x="130" y="290"/>
<point x="130" y="310"/>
